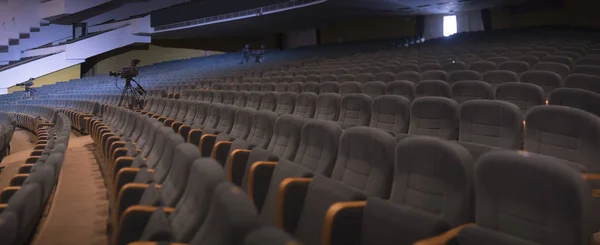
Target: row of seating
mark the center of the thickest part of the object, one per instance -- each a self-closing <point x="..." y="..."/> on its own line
<point x="548" y="80"/>
<point x="24" y="201"/>
<point x="7" y="128"/>
<point x="344" y="171"/>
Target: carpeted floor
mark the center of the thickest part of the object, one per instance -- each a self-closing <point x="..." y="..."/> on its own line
<point x="79" y="209"/>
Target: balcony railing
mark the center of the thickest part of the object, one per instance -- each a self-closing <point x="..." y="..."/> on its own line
<point x="270" y="9"/>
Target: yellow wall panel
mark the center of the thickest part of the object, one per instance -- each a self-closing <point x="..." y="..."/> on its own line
<point x="73" y="72"/>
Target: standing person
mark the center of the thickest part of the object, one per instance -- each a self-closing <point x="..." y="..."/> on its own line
<point x="246" y="53"/>
<point x="260" y="54"/>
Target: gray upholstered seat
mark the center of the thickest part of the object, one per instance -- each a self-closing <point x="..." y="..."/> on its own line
<point x="282" y="145"/>
<point x="316" y="155"/>
<point x="231" y="217"/>
<point x="355" y="110"/>
<point x="434" y="75"/>
<point x="524" y="95"/>
<point x="483" y="66"/>
<point x="285" y="103"/>
<point x="350" y="88"/>
<point x="576" y="98"/>
<point x="269" y="235"/>
<point x="546" y="79"/>
<point x="363" y="168"/>
<point x="514" y="66"/>
<point x="558" y="68"/>
<point x="305" y="105"/>
<point x="390" y="113"/>
<point x="254" y="99"/>
<point x="432" y="191"/>
<point x="491" y="122"/>
<point x="434" y="116"/>
<point x="374" y="88"/>
<point x="522" y="217"/>
<point x="328" y="106"/>
<point x="433" y="88"/>
<point x="402" y="88"/>
<point x="566" y="133"/>
<point x="329" y="87"/>
<point x="463" y="91"/>
<point x="269" y="101"/>
<point x="311" y="87"/>
<point x="412" y="76"/>
<point x="583" y="81"/>
<point x="495" y="78"/>
<point x="464" y="75"/>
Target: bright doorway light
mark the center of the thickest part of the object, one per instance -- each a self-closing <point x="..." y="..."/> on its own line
<point x="449" y="25"/>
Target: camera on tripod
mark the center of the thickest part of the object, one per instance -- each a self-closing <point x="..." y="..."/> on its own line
<point x="126" y="72"/>
<point x="129" y="92"/>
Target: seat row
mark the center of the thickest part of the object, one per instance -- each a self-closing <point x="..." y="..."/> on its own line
<point x="547" y="79"/>
<point x="7" y="128"/>
<point x="24" y="201"/>
<point x="311" y="168"/>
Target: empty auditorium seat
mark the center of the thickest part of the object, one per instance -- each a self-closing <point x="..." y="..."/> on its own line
<point x="483" y="66"/>
<point x="441" y="167"/>
<point x="560" y="69"/>
<point x="434" y="116"/>
<point x="311" y="87"/>
<point x="412" y="76"/>
<point x="464" y="75"/>
<point x="400" y="87"/>
<point x="384" y="77"/>
<point x="316" y="155"/>
<point x="305" y="105"/>
<point x="454" y="66"/>
<point x="329" y="87"/>
<point x="254" y="99"/>
<point x="524" y="95"/>
<point x="525" y="202"/>
<point x="576" y="98"/>
<point x="434" y="75"/>
<point x="586" y="69"/>
<point x="514" y="66"/>
<point x="355" y="110"/>
<point x="433" y="88"/>
<point x="491" y="123"/>
<point x="285" y="103"/>
<point x="374" y="88"/>
<point x="495" y="78"/>
<point x="529" y="59"/>
<point x="559" y="59"/>
<point x="346" y="184"/>
<point x="567" y="133"/>
<point x="583" y="81"/>
<point x="364" y="77"/>
<point x="546" y="79"/>
<point x="350" y="88"/>
<point x="430" y="67"/>
<point x="296" y="87"/>
<point x="328" y="106"/>
<point x="390" y="113"/>
<point x="463" y="91"/>
<point x="269" y="101"/>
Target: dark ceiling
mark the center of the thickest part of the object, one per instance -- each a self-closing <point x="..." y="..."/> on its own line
<point x="331" y="11"/>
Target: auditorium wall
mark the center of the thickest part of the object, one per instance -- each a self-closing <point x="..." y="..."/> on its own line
<point x="73" y="72"/>
<point x="152" y="55"/>
<point x="362" y="29"/>
<point x="572" y="12"/>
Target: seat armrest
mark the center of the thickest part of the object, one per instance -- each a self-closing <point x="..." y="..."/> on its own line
<point x="443" y="238"/>
<point x="32" y="160"/>
<point x="176" y="126"/>
<point x="236" y="166"/>
<point x="220" y="150"/>
<point x="134" y="221"/>
<point x="119" y="152"/>
<point x="36" y="153"/>
<point x="120" y="163"/>
<point x="290" y="201"/>
<point x="168" y="122"/>
<point x="207" y="141"/>
<point x="129" y="195"/>
<point x="7" y="193"/>
<point x="342" y="224"/>
<point x="25" y="168"/>
<point x="124" y="177"/>
<point x="18" y="179"/>
<point x="39" y="147"/>
<point x="194" y="136"/>
<point x="259" y="178"/>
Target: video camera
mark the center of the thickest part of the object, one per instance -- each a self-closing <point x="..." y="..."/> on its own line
<point x="126" y="72"/>
<point x="25" y="84"/>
